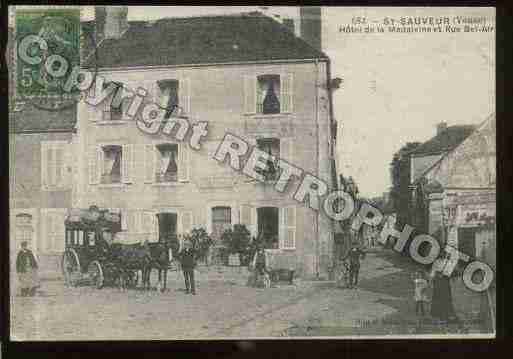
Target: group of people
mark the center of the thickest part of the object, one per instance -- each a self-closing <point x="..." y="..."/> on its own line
<point x="28" y="279"/>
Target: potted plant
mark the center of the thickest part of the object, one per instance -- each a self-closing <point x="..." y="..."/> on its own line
<point x="237" y="241"/>
<point x="201" y="242"/>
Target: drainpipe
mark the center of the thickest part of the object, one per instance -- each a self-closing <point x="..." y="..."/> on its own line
<point x="317" y="237"/>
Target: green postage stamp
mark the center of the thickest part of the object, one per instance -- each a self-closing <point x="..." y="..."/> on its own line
<point x="47" y="51"/>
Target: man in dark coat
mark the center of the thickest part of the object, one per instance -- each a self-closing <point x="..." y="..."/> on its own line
<point x="355" y="254"/>
<point x="26" y="267"/>
<point x="188" y="261"/>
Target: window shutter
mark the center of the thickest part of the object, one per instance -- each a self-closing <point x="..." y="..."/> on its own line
<point x="44" y="165"/>
<point x="60" y="231"/>
<point x="184" y="94"/>
<point x="186" y="222"/>
<point x="287" y="150"/>
<point x="146" y="222"/>
<point x="125" y="104"/>
<point x="287" y="93"/>
<point x="44" y="228"/>
<point x="138" y="223"/>
<point x="248" y="217"/>
<point x="106" y="114"/>
<point x="184" y="163"/>
<point x="50" y="153"/>
<point x="67" y="170"/>
<point x="250" y="98"/>
<point x="133" y="162"/>
<point x="95" y="161"/>
<point x="124" y="220"/>
<point x="288" y="227"/>
<point x="51" y="234"/>
<point x="150" y="154"/>
<point x="153" y="92"/>
<point x="59" y="165"/>
<point x="127" y="160"/>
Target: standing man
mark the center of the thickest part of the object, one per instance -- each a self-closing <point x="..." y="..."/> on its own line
<point x="354" y="265"/>
<point x="26" y="267"/>
<point x="188" y="263"/>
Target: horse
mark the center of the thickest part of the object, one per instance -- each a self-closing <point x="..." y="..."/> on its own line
<point x="160" y="259"/>
<point x="133" y="257"/>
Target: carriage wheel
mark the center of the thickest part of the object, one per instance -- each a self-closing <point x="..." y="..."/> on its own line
<point x="95" y="272"/>
<point x="70" y="268"/>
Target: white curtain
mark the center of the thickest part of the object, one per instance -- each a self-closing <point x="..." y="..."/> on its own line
<point x="165" y="158"/>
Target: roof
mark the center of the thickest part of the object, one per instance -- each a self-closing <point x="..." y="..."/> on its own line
<point x="445" y="141"/>
<point x="244" y="37"/>
<point x="32" y="119"/>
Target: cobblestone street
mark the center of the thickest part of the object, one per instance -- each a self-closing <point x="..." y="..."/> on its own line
<point x="223" y="308"/>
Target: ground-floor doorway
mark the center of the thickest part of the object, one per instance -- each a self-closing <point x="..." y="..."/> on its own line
<point x="167" y="224"/>
<point x="268" y="226"/>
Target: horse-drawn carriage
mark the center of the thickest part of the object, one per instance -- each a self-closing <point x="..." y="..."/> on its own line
<point x="92" y="256"/>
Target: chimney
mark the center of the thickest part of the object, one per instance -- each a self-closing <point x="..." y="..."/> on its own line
<point x="111" y="22"/>
<point x="310" y="25"/>
<point x="289" y="24"/>
<point x="441" y="127"/>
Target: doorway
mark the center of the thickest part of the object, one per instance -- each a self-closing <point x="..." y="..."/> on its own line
<point x="167" y="223"/>
<point x="268" y="226"/>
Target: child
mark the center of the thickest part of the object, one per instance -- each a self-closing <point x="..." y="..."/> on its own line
<point x="421" y="285"/>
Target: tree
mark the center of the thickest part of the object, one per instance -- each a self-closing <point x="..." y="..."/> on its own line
<point x="400" y="193"/>
<point x="201" y="242"/>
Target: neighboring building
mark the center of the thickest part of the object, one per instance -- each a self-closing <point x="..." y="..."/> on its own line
<point x="460" y="194"/>
<point x="424" y="157"/>
<point x="40" y="176"/>
<point x="460" y="188"/>
<point x="246" y="74"/>
<point x="41" y="169"/>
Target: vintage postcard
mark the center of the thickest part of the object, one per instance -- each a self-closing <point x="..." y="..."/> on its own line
<point x="251" y="172"/>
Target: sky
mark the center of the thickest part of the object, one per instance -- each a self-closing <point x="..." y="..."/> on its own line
<point x="396" y="86"/>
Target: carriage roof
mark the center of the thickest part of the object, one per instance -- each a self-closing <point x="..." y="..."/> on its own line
<point x="92" y="218"/>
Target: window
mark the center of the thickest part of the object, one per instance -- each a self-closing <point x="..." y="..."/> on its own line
<point x="111" y="164"/>
<point x="268" y="94"/>
<point x="111" y="170"/>
<point x="221" y="221"/>
<point x="55" y="164"/>
<point x="270" y="146"/>
<point x="24" y="229"/>
<point x="165" y="163"/>
<point x="167" y="167"/>
<point x="173" y="95"/>
<point x="169" y="97"/>
<point x="111" y="112"/>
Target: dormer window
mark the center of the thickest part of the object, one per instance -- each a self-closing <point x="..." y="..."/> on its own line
<point x="169" y="99"/>
<point x="268" y="94"/>
<point x="110" y="112"/>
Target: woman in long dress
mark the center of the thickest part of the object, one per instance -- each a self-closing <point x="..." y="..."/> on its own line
<point x="441" y="304"/>
<point x="26" y="267"/>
